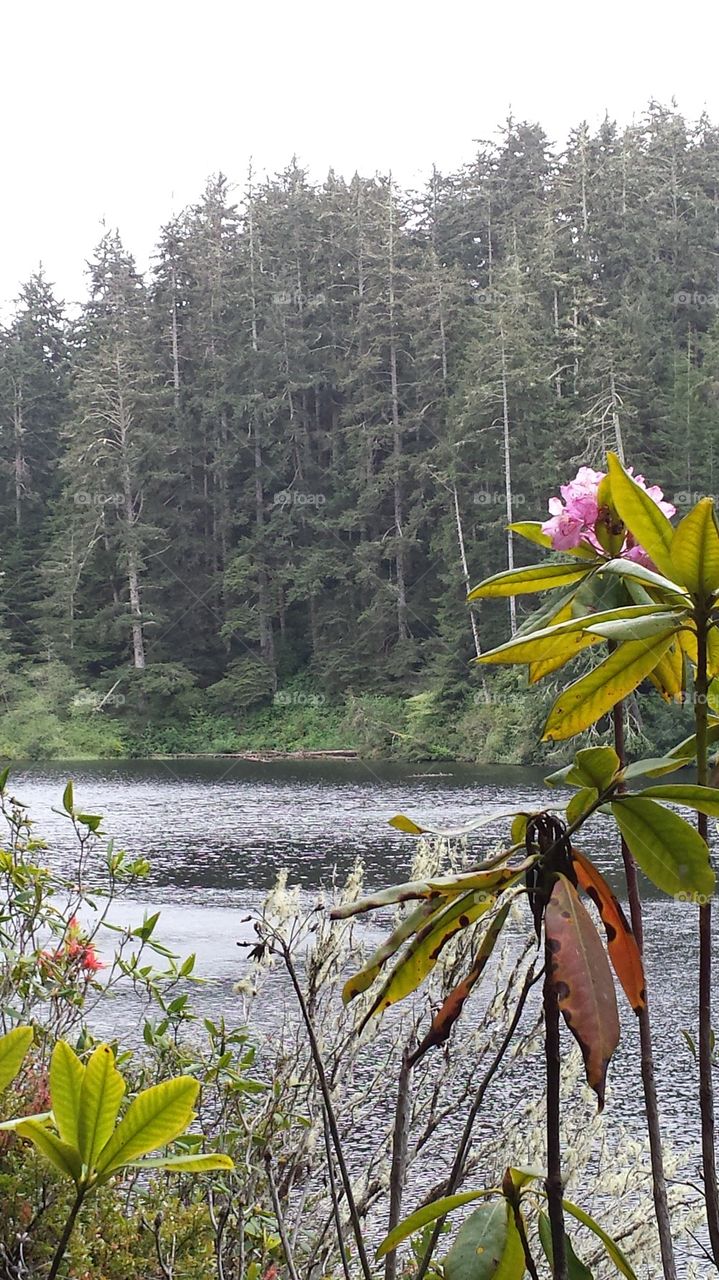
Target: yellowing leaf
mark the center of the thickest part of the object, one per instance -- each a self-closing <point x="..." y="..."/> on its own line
<point x="669" y="675"/>
<point x="101" y="1093"/>
<point x="66" y="1076"/>
<point x="412" y="922"/>
<point x="452" y="1006"/>
<point x="531" y="530"/>
<point x="203" y="1163"/>
<point x="535" y="577"/>
<point x="155" y="1117"/>
<point x="401" y="823"/>
<point x="566" y="638"/>
<point x="695" y="550"/>
<point x="582" y="980"/>
<point x="64" y="1157"/>
<point x="594" y="694"/>
<point x="641" y="515"/>
<point x="13" y="1047"/>
<point x="426" y="947"/>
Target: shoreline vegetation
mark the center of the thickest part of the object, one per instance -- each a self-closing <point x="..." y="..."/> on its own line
<point x="497" y="723"/>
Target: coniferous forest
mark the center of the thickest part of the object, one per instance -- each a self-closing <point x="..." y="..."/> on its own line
<point x="248" y="489"/>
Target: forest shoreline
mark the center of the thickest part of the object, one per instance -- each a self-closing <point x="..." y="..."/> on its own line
<point x="499" y="725"/>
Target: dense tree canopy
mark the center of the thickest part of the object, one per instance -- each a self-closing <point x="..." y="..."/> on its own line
<point x="271" y="454"/>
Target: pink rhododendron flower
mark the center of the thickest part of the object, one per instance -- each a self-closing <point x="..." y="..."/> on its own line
<point x="573" y="517"/>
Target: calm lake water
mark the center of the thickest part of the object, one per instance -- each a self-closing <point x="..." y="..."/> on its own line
<point x="218" y="831"/>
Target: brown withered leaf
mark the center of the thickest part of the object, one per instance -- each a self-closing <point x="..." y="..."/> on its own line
<point x="583" y="981"/>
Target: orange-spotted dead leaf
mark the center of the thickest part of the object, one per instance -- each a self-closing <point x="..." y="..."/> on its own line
<point x="622" y="946"/>
<point x="583" y="981"/>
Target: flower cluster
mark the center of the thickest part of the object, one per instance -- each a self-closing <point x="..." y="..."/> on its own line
<point x="575" y="516"/>
<point x="76" y="950"/>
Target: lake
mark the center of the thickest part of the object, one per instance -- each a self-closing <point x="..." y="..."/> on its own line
<point x="218" y="831"/>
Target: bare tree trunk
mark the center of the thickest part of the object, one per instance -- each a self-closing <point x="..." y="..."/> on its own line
<point x="175" y="350"/>
<point x="507" y="478"/>
<point x="558" y="375"/>
<point x="402" y="627"/>
<point x="266" y="633"/>
<point x="689" y="416"/>
<point x="133" y="568"/>
<point x="619" y="442"/>
<point x="465" y="568"/>
<point x="20" y="467"/>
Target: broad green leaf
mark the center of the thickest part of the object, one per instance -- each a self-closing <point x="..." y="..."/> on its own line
<point x="583" y="982"/>
<point x="531" y="531"/>
<point x="518" y="830"/>
<point x="576" y="1269"/>
<point x="154" y="1118"/>
<point x="488" y="1246"/>
<point x="67" y="798"/>
<point x="367" y="974"/>
<point x="704" y="799"/>
<point x="66" y="1076"/>
<point x="592" y="767"/>
<point x="557" y="608"/>
<point x="641" y="515"/>
<point x="13" y="1048"/>
<point x="637" y="628"/>
<point x="612" y="1248"/>
<point x="101" y="1093"/>
<point x="580" y="803"/>
<point x="671" y="592"/>
<point x="64" y="1157"/>
<point x="597" y="766"/>
<point x="695" y="550"/>
<point x="567" y="637"/>
<point x="429" y="1213"/>
<point x="655" y="766"/>
<point x="594" y="694"/>
<point x="670" y="852"/>
<point x="186" y="1164"/>
<point x="526" y="581"/>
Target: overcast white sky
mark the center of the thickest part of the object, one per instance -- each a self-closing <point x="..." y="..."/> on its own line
<point x="119" y="109"/>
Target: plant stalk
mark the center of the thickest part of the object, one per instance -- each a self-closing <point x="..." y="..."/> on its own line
<point x="553" y="1184"/>
<point x="65" y="1237"/>
<point x="399" y="1157"/>
<point x="706" y="1084"/>
<point x="529" y="1262"/>
<point x="656" y="1153"/>
<point x="457" y="1170"/>
<point x="329" y="1109"/>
